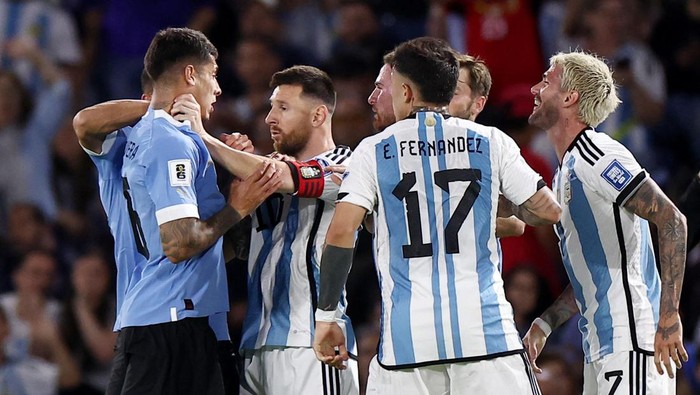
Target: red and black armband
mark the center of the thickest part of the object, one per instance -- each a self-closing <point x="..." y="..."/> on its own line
<point x="308" y="178"/>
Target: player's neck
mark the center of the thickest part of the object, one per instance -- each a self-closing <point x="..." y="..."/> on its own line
<point x="422" y="107"/>
<point x="320" y="141"/>
<point x="563" y="134"/>
<point x="162" y="99"/>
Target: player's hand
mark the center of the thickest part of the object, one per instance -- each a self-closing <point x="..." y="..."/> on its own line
<point x="281" y="157"/>
<point x="21" y="48"/>
<point x="668" y="344"/>
<point x="329" y="344"/>
<point x="534" y="341"/>
<point x="337" y="172"/>
<point x="237" y="141"/>
<point x="186" y="108"/>
<point x="245" y="196"/>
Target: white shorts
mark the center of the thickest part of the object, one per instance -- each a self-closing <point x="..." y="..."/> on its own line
<point x="627" y="372"/>
<point x="295" y="370"/>
<point x="509" y="374"/>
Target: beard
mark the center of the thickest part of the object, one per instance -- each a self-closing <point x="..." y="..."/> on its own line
<point x="544" y="117"/>
<point x="292" y="143"/>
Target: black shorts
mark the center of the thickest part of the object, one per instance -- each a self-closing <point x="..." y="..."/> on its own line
<point x="171" y="358"/>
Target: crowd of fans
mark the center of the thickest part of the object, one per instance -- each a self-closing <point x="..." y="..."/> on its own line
<point x="57" y="56"/>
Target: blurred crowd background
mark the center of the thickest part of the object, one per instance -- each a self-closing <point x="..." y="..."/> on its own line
<point x="58" y="56"/>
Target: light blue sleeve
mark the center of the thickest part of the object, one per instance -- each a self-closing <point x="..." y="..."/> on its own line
<point x="172" y="166"/>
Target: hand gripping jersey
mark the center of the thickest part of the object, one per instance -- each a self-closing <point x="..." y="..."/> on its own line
<point x="433" y="184"/>
<point x="283" y="267"/>
<point x="606" y="249"/>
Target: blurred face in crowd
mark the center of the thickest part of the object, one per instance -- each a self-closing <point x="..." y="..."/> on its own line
<point x="380" y="100"/>
<point x="522" y="291"/>
<point x="35" y="274"/>
<point x="463" y="103"/>
<point x="290" y="119"/>
<point x="207" y="87"/>
<point x="548" y="95"/>
<point x="90" y="277"/>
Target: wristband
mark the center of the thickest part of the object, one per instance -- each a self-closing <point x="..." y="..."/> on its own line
<point x="308" y="178"/>
<point x="324" y="316"/>
<point x="543" y="325"/>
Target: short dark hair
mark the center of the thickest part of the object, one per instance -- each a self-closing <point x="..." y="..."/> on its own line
<point x="389" y="58"/>
<point x="313" y="81"/>
<point x="146" y="83"/>
<point x="173" y="45"/>
<point x="431" y="64"/>
<point x="479" y="76"/>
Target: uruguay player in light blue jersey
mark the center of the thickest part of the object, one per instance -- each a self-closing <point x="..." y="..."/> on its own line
<point x="102" y="131"/>
<point x="178" y="217"/>
<point x="631" y="328"/>
<point x="432" y="182"/>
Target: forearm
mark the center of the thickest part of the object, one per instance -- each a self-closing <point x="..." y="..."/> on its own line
<point x="541" y="209"/>
<point x="672" y="255"/>
<point x="68" y="370"/>
<point x="93" y="124"/>
<point x="562" y="309"/>
<point x="184" y="238"/>
<point x="243" y="164"/>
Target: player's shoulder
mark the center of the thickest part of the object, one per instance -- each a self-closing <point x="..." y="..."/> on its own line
<point x="592" y="146"/>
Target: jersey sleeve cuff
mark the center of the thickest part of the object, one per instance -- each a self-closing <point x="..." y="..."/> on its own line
<point x="356" y="200"/>
<point x="631" y="188"/>
<point x="178" y="211"/>
<point x="106" y="145"/>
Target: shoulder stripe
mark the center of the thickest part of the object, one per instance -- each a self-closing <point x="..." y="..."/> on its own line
<point x="584" y="156"/>
<point x="584" y="145"/>
<point x="592" y="145"/>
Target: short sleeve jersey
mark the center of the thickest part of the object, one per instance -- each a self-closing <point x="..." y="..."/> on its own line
<point x="283" y="269"/>
<point x="433" y="185"/>
<point x="607" y="250"/>
<point x="168" y="175"/>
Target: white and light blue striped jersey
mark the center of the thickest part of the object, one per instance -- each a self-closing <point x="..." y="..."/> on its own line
<point x="109" y="175"/>
<point x="433" y="184"/>
<point x="607" y="250"/>
<point x="283" y="266"/>
<point x="168" y="174"/>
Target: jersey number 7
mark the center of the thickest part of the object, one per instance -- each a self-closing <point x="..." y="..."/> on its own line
<point x="417" y="248"/>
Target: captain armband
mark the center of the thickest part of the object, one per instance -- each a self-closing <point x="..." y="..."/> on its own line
<point x="308" y="178"/>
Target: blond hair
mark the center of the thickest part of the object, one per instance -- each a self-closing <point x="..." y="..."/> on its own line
<point x="592" y="79"/>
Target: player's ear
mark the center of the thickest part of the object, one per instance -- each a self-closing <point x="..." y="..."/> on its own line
<point x="406" y="93"/>
<point x="319" y="115"/>
<point x="190" y="75"/>
<point x="571" y="98"/>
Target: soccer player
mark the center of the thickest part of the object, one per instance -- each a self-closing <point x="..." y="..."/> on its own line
<point x="473" y="87"/>
<point x="102" y="131"/>
<point x="177" y="216"/>
<point x="631" y="328"/>
<point x="432" y="182"/>
<point x="287" y="240"/>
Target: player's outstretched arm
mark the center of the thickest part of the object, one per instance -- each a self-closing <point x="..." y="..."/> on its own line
<point x="239" y="163"/>
<point x="94" y="123"/>
<point x="558" y="313"/>
<point x="651" y="203"/>
<point x="540" y="209"/>
<point x="186" y="237"/>
<point x="335" y="266"/>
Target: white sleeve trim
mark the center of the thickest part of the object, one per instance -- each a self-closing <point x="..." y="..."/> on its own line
<point x="106" y="145"/>
<point x="177" y="211"/>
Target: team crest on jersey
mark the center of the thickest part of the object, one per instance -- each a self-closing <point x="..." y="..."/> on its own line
<point x="180" y="172"/>
<point x="308" y="172"/>
<point x="616" y="175"/>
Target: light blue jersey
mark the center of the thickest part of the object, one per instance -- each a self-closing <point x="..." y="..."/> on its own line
<point x="433" y="185"/>
<point x="283" y="269"/>
<point x="607" y="250"/>
<point x="167" y="175"/>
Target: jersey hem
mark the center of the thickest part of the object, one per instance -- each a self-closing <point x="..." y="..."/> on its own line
<point x="454" y="360"/>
